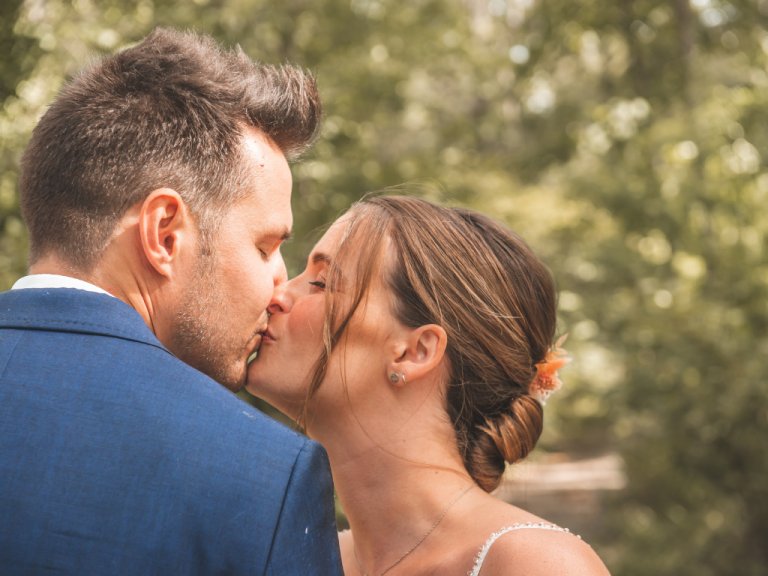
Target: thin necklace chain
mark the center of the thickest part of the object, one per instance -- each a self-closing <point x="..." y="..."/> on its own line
<point x="396" y="562"/>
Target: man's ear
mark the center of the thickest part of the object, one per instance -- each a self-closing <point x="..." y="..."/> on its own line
<point x="166" y="228"/>
<point x="419" y="354"/>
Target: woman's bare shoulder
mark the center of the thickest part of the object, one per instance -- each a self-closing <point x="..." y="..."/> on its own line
<point x="537" y="552"/>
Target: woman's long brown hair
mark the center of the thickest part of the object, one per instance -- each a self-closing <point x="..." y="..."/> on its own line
<point x="483" y="285"/>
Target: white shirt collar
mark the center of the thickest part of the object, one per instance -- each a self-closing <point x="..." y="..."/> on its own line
<point x="56" y="281"/>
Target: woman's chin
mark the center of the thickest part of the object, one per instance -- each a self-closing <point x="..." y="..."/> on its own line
<point x="261" y="383"/>
<point x="256" y="377"/>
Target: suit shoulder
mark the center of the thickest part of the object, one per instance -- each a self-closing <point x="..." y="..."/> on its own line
<point x="224" y="410"/>
<point x="175" y="397"/>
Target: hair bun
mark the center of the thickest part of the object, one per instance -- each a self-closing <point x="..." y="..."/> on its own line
<point x="506" y="437"/>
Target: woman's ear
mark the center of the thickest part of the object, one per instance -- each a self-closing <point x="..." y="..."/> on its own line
<point x="420" y="353"/>
<point x="165" y="228"/>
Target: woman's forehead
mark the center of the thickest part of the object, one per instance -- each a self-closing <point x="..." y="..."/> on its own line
<point x="357" y="252"/>
<point x="330" y="240"/>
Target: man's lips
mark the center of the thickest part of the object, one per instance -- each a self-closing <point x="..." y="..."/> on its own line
<point x="264" y="336"/>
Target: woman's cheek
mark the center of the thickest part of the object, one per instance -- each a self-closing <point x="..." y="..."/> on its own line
<point x="306" y="339"/>
<point x="307" y="321"/>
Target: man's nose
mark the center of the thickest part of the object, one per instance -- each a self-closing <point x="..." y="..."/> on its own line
<point x="279" y="272"/>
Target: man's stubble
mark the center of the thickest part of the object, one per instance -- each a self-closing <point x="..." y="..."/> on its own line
<point x="202" y="334"/>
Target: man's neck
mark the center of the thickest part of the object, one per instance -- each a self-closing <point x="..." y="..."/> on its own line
<point x="117" y="280"/>
<point x="54" y="266"/>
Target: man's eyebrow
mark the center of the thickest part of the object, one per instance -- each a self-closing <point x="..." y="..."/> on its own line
<point x="318" y="257"/>
<point x="284" y="234"/>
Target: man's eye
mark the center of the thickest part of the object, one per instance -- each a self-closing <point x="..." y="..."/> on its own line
<point x="318" y="284"/>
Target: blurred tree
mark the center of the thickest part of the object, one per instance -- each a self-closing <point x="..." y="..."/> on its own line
<point x="622" y="139"/>
<point x="20" y="55"/>
<point x="663" y="269"/>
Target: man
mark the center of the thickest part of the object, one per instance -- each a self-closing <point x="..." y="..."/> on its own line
<point x="157" y="193"/>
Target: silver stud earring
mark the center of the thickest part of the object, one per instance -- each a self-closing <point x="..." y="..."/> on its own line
<point x="404" y="382"/>
<point x="394" y="377"/>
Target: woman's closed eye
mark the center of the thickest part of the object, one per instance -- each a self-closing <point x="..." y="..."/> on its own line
<point x="320" y="284"/>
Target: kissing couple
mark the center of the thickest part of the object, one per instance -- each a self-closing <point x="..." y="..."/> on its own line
<point x="415" y="350"/>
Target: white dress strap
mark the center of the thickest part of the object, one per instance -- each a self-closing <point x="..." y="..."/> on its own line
<point x="495" y="536"/>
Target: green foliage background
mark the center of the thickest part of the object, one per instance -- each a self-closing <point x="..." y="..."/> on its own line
<point x="624" y="139"/>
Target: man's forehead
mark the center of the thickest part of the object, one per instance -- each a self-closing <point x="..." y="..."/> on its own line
<point x="255" y="146"/>
<point x="270" y="181"/>
<point x="259" y="147"/>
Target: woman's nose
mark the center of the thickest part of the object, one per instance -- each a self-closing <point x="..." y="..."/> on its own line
<point x="281" y="299"/>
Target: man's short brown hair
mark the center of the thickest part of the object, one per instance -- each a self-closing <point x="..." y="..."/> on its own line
<point x="168" y="112"/>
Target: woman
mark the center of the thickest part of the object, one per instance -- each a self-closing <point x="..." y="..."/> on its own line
<point x="408" y="348"/>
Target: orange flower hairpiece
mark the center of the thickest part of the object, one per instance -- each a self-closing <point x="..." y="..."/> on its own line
<point x="547" y="380"/>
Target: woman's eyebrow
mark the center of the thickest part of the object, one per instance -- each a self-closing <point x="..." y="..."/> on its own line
<point x="318" y="257"/>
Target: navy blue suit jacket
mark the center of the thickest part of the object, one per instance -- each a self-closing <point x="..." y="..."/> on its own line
<point x="118" y="458"/>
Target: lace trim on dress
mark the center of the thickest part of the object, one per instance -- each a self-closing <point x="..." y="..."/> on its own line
<point x="484" y="550"/>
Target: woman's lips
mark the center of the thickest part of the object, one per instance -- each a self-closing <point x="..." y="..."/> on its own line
<point x="267" y="336"/>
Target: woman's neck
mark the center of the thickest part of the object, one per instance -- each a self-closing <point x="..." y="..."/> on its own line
<point x="394" y="493"/>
